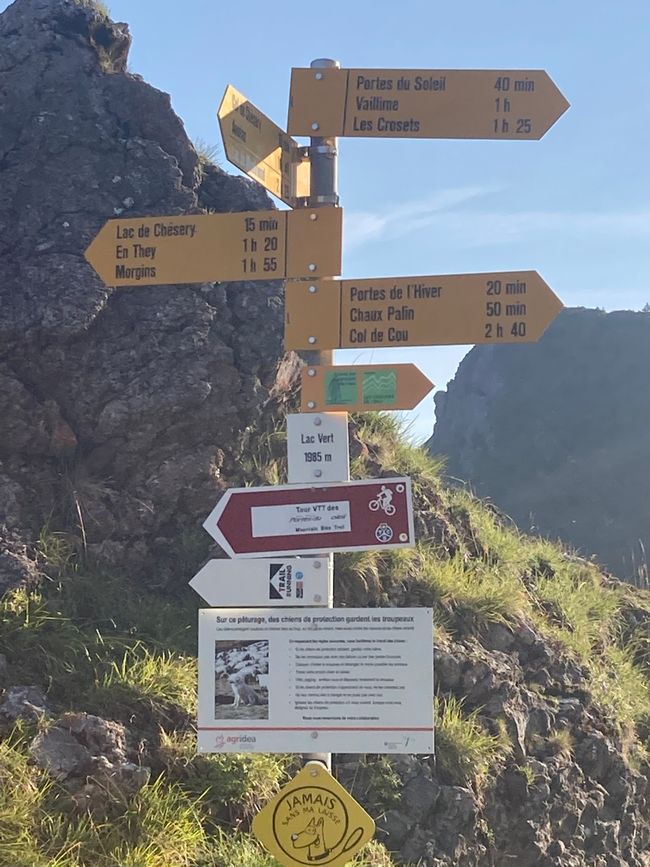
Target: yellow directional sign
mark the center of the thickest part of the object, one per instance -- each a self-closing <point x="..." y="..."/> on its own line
<point x="251" y="245"/>
<point x="424" y="103"/>
<point x="361" y="387"/>
<point x="313" y="820"/>
<point x="505" y="307"/>
<point x="262" y="149"/>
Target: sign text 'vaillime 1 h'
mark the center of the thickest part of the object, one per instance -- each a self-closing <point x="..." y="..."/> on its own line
<point x="250" y="245"/>
<point x="362" y="387"/>
<point x="362" y="515"/>
<point x="503" y="307"/>
<point x="424" y="103"/>
<point x="262" y="149"/>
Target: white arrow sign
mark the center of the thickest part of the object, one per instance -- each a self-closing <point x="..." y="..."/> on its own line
<point x="279" y="581"/>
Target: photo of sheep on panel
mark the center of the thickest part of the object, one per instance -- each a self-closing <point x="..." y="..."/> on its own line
<point x="241" y="680"/>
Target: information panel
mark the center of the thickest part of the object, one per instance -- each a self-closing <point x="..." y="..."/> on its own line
<point x="352" y="680"/>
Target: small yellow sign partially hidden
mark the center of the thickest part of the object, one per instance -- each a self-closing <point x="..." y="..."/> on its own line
<point x="313" y="820"/>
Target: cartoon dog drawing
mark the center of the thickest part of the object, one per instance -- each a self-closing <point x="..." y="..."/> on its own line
<point x="312" y="839"/>
<point x="244" y="694"/>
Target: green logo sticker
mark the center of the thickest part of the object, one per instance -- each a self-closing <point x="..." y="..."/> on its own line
<point x="340" y="388"/>
<point x="379" y="387"/>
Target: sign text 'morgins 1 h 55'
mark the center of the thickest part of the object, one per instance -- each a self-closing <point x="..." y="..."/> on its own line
<point x="362" y="515"/>
<point x="503" y="307"/>
<point x="424" y="103"/>
<point x="250" y="245"/>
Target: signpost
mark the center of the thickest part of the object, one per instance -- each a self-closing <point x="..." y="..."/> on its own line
<point x="318" y="447"/>
<point x="504" y="307"/>
<point x="424" y="103"/>
<point x="334" y="679"/>
<point x="262" y="149"/>
<point x="362" y="387"/>
<point x="251" y="245"/>
<point x="279" y="581"/>
<point x="362" y="515"/>
<point x="282" y="678"/>
<point x="313" y="820"/>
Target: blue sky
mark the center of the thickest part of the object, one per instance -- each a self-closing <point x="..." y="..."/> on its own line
<point x="575" y="205"/>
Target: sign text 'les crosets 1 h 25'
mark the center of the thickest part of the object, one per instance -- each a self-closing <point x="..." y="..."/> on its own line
<point x="424" y="103"/>
<point x="251" y="245"/>
<point x="362" y="515"/>
<point x="504" y="307"/>
<point x="260" y="148"/>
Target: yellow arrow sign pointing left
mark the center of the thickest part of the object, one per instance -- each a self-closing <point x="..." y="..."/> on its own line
<point x="262" y="149"/>
<point x="251" y="245"/>
<point x="313" y="820"/>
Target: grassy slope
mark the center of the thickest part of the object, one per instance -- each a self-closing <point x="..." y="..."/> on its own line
<point x="102" y="646"/>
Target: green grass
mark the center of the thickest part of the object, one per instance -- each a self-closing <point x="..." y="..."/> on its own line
<point x="464" y="751"/>
<point x="100" y="7"/>
<point x="232" y="786"/>
<point x="207" y="153"/>
<point x="148" y="679"/>
<point x="385" y="436"/>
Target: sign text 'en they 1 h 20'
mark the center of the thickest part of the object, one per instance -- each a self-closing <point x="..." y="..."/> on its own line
<point x="504" y="307"/>
<point x="251" y="245"/>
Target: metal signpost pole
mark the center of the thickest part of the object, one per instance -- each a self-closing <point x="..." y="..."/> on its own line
<point x="323" y="157"/>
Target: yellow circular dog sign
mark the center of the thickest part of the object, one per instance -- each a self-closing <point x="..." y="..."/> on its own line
<point x="313" y="821"/>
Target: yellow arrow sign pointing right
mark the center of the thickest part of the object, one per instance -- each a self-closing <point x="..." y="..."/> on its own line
<point x="503" y="307"/>
<point x="362" y="387"/>
<point x="424" y="103"/>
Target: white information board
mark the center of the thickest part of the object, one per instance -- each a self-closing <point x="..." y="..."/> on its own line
<point x="317" y="447"/>
<point x="346" y="680"/>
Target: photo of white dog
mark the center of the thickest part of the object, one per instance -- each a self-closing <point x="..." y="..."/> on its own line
<point x="241" y="679"/>
<point x="244" y="694"/>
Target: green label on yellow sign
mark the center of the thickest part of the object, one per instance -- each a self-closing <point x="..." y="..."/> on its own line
<point x="380" y="387"/>
<point x="340" y="388"/>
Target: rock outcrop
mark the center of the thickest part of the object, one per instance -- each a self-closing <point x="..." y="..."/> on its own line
<point x="121" y="410"/>
<point x="555" y="433"/>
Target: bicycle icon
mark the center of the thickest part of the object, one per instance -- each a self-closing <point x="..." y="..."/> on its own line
<point x="383" y="502"/>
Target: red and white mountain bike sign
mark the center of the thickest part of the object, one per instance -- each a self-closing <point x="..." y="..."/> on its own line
<point x="295" y="519"/>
